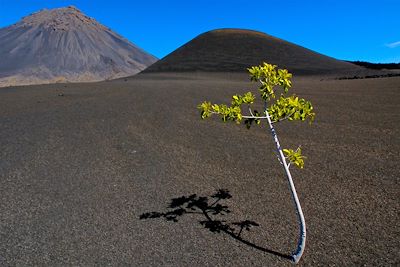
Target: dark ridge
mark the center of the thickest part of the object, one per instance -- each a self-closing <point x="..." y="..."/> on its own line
<point x="377" y="66"/>
<point x="64" y="45"/>
<point x="237" y="49"/>
<point x="387" y="75"/>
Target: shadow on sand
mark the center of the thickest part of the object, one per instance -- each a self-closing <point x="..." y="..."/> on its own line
<point x="207" y="208"/>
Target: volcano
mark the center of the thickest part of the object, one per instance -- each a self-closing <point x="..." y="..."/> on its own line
<point x="64" y="45"/>
<point x="236" y="49"/>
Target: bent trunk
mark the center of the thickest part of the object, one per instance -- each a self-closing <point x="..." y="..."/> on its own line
<point x="302" y="224"/>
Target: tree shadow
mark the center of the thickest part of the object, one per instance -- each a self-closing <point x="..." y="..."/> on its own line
<point x="207" y="208"/>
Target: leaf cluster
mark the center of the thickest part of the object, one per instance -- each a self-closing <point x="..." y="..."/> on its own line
<point x="269" y="76"/>
<point x="295" y="157"/>
<point x="227" y="113"/>
<point x="291" y="108"/>
<point x="285" y="107"/>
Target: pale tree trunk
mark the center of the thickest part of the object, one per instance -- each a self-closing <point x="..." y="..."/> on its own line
<point x="302" y="224"/>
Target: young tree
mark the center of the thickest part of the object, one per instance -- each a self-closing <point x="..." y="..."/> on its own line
<point x="290" y="108"/>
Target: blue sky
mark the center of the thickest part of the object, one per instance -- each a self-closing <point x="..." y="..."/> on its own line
<point x="367" y="30"/>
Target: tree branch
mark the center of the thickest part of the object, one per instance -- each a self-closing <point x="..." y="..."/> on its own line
<point x="253" y="117"/>
<point x="285" y="118"/>
<point x="250" y="111"/>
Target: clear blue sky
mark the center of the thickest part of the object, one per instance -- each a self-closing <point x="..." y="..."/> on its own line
<point x="367" y="30"/>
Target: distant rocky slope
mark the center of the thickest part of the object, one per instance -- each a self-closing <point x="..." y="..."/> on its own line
<point x="64" y="45"/>
<point x="236" y="50"/>
<point x="377" y="66"/>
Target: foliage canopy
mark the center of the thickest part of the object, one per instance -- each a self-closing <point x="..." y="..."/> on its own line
<point x="273" y="82"/>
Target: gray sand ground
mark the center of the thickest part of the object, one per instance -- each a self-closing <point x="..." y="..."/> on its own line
<point x="79" y="164"/>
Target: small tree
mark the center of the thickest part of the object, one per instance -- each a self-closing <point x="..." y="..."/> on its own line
<point x="290" y="108"/>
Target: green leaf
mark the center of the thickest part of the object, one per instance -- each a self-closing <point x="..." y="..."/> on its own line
<point x="295" y="157"/>
<point x="205" y="109"/>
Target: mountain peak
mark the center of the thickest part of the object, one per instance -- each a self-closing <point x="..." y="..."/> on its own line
<point x="71" y="7"/>
<point x="64" y="18"/>
<point x="63" y="44"/>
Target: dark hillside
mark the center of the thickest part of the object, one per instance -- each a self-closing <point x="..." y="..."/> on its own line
<point x="236" y="50"/>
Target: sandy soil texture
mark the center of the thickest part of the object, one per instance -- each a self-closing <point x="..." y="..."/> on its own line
<point x="82" y="164"/>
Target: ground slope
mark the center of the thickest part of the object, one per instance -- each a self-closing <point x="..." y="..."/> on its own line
<point x="65" y="45"/>
<point x="236" y="50"/>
